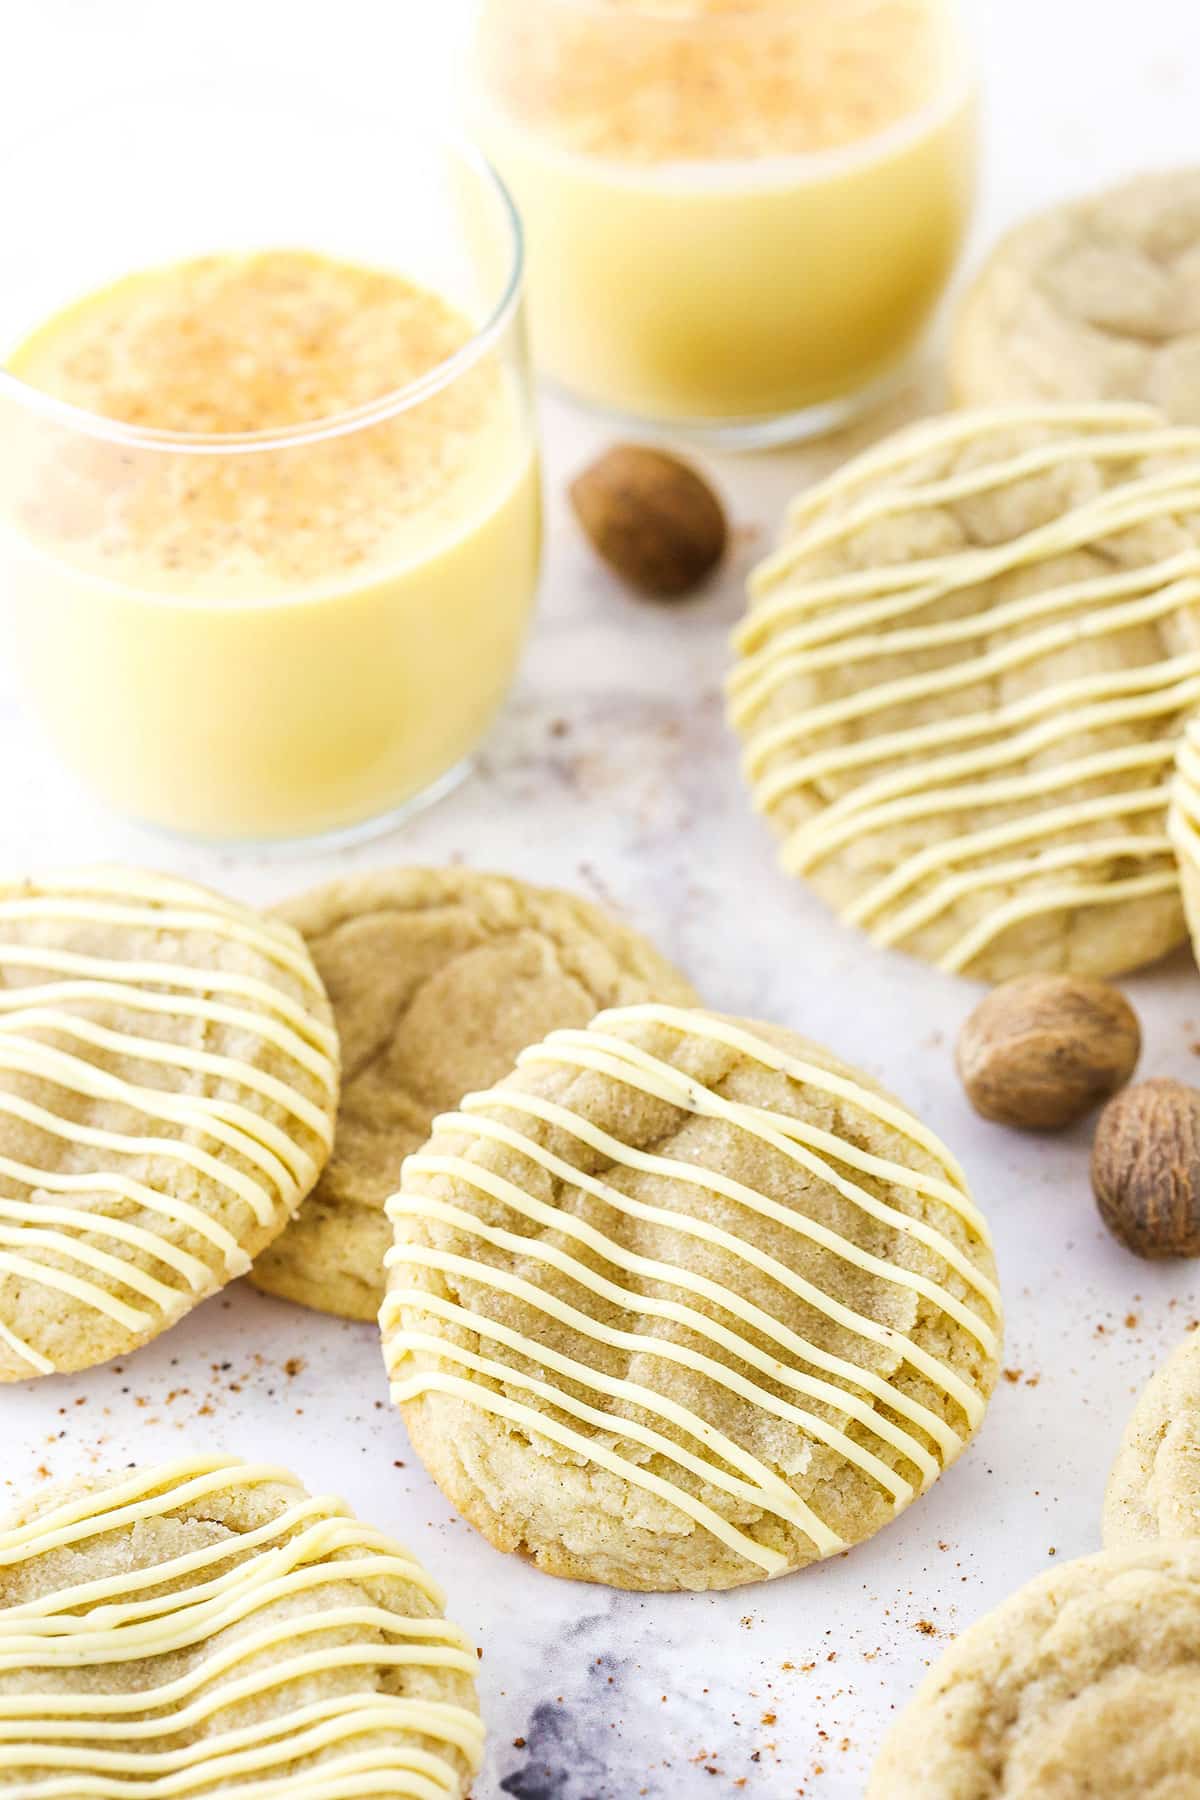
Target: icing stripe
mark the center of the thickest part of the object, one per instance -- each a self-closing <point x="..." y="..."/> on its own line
<point x="889" y="776"/>
<point x="795" y="649"/>
<point x="263" y="936"/>
<point x="1136" y="500"/>
<point x="174" y="975"/>
<point x="145" y="1049"/>
<point x="1183" y="823"/>
<point x="669" y="1351"/>
<point x="948" y="430"/>
<point x="93" y="1744"/>
<point x="969" y="672"/>
<point x="1127" y="804"/>
<point x="26" y="1352"/>
<point x="83" y="1078"/>
<point x="666" y="1274"/>
<point x="843" y="822"/>
<point x="1108" y="849"/>
<point x="540" y="1424"/>
<point x="49" y="1036"/>
<point x="135" y="999"/>
<point x="460" y="1363"/>
<point x="703" y="1101"/>
<point x="764" y="1489"/>
<point x="1020" y="747"/>
<point x="1065" y="702"/>
<point x="826" y="1081"/>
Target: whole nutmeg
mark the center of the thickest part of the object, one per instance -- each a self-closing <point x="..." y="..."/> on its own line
<point x="1146" y="1168"/>
<point x="653" y="519"/>
<point x="1042" y="1050"/>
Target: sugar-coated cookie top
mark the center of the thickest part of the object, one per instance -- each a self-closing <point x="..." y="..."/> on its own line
<point x="437" y="977"/>
<point x="207" y="1623"/>
<point x="1086" y="1682"/>
<point x="684" y="1302"/>
<point x="1095" y="299"/>
<point x="1154" y="1488"/>
<point x="962" y="678"/>
<point x="168" y="1085"/>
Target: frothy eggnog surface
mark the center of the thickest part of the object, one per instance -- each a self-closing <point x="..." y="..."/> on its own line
<point x="754" y="78"/>
<point x="734" y="207"/>
<point x="297" y="630"/>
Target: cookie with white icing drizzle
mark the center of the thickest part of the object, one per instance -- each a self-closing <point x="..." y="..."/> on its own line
<point x="1154" y="1487"/>
<point x="1085" y="1683"/>
<point x="207" y="1627"/>
<point x="437" y="977"/>
<point x="961" y="682"/>
<point x="168" y="1085"/>
<point x="1183" y="822"/>
<point x="684" y="1302"/>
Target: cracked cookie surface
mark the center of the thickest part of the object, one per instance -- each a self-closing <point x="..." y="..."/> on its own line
<point x="684" y="1302"/>
<point x="168" y="1085"/>
<point x="1098" y="299"/>
<point x="1086" y="1682"/>
<point x="438" y="977"/>
<point x="206" y="1627"/>
<point x="1154" y="1488"/>
<point x="962" y="681"/>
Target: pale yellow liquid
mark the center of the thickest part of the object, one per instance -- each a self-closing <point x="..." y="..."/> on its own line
<point x="273" y="642"/>
<point x="745" y="210"/>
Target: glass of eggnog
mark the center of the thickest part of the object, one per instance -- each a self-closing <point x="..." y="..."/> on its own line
<point x="740" y="213"/>
<point x="269" y="502"/>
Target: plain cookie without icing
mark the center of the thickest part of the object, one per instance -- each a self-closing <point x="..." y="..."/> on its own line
<point x="438" y="977"/>
<point x="1084" y="1684"/>
<point x="206" y="1627"/>
<point x="1154" y="1488"/>
<point x="961" y="683"/>
<point x="1097" y="299"/>
<point x="684" y="1302"/>
<point x="168" y="1086"/>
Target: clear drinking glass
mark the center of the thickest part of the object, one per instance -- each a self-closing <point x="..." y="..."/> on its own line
<point x="739" y="213"/>
<point x="282" y="633"/>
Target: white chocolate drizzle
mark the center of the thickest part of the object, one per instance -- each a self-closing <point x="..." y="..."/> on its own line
<point x="286" y="1588"/>
<point x="557" y="1240"/>
<point x="1070" y="828"/>
<point x="67" y="1230"/>
<point x="1184" y="819"/>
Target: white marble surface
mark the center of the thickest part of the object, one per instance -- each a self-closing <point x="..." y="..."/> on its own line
<point x="611" y="772"/>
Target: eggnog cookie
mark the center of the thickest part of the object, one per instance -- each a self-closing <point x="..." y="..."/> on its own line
<point x="438" y="977"/>
<point x="962" y="679"/>
<point x="1098" y="299"/>
<point x="206" y="1628"/>
<point x="1184" y="824"/>
<point x="1154" y="1489"/>
<point x="684" y="1302"/>
<point x="1085" y="1683"/>
<point x="168" y="1085"/>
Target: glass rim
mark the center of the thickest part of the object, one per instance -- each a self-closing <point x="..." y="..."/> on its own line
<point x="662" y="12"/>
<point x="331" y="425"/>
<point x="960" y="82"/>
